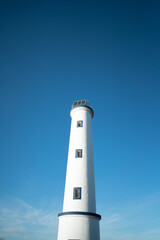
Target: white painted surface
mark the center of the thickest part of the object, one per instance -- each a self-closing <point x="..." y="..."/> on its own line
<point x="83" y="228"/>
<point x="80" y="173"/>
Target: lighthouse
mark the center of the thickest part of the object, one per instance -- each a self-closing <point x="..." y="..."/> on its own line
<point x="79" y="220"/>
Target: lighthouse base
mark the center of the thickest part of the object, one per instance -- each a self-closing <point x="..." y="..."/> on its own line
<point x="78" y="226"/>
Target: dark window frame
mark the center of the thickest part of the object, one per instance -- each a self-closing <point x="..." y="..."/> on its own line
<point x="79" y="123"/>
<point x="75" y="192"/>
<point x="78" y="153"/>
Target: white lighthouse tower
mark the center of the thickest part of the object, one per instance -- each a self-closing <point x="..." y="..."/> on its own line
<point x="79" y="220"/>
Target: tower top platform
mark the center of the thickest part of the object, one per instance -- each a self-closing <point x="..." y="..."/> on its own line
<point x="82" y="103"/>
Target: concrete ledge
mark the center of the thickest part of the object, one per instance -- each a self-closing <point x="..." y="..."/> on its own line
<point x="80" y="213"/>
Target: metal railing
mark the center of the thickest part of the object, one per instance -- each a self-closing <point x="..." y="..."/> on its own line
<point x="80" y="102"/>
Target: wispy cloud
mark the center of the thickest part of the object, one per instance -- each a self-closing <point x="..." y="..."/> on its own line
<point x="138" y="220"/>
<point x="19" y="219"/>
<point x="111" y="219"/>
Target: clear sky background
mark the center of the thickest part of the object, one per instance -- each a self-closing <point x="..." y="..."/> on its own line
<point x="55" y="52"/>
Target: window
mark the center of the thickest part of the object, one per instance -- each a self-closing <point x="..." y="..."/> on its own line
<point x="77" y="193"/>
<point x="78" y="153"/>
<point x="80" y="123"/>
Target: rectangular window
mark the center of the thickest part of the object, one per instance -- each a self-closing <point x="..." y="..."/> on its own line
<point x="77" y="193"/>
<point x="78" y="153"/>
<point x="80" y="123"/>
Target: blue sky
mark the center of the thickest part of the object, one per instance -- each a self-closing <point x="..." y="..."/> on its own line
<point x="55" y="52"/>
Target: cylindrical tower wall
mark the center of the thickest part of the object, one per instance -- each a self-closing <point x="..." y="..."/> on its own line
<point x="78" y="228"/>
<point x="79" y="220"/>
<point x="80" y="170"/>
